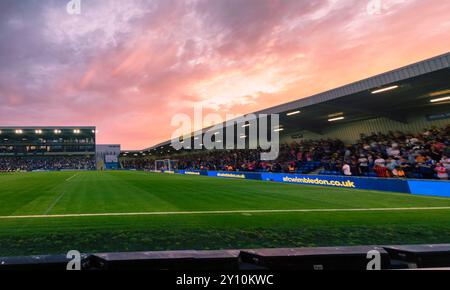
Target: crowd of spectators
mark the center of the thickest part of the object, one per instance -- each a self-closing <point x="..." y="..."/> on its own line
<point x="137" y="163"/>
<point x="425" y="155"/>
<point x="390" y="155"/>
<point x="11" y="164"/>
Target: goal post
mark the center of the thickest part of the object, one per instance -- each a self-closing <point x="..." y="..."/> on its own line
<point x="166" y="165"/>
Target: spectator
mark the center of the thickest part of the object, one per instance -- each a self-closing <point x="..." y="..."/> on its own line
<point x="380" y="161"/>
<point x="346" y="169"/>
<point x="445" y="161"/>
<point x="363" y="164"/>
<point x="381" y="171"/>
<point x="441" y="171"/>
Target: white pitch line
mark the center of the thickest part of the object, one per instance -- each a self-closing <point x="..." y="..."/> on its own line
<point x="225" y="212"/>
<point x="54" y="203"/>
<point x="72" y="177"/>
<point x="58" y="198"/>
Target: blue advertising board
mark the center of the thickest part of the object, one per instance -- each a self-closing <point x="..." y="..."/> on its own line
<point x="397" y="185"/>
<point x="235" y="174"/>
<point x="420" y="187"/>
<point x="434" y="188"/>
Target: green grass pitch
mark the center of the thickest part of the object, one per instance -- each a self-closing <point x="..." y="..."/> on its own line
<point x="49" y="213"/>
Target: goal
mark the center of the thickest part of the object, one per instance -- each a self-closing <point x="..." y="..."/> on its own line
<point x="166" y="165"/>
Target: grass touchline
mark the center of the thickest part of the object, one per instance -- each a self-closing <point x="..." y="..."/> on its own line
<point x="227" y="212"/>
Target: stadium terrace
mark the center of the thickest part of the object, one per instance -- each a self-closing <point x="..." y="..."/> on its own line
<point x="47" y="148"/>
<point x="393" y="125"/>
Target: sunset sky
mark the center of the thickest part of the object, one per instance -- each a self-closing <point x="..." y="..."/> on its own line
<point x="128" y="67"/>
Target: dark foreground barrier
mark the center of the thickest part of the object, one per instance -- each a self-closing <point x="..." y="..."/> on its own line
<point x="45" y="262"/>
<point x="421" y="256"/>
<point x="226" y="260"/>
<point x="326" y="258"/>
<point x="329" y="258"/>
<point x="411" y="186"/>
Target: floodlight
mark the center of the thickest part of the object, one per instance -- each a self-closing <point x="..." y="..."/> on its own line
<point x="293" y="113"/>
<point x="336" y="119"/>
<point x="385" y="89"/>
<point x="440" y="99"/>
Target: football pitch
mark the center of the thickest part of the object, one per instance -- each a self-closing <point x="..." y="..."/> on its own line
<point x="105" y="211"/>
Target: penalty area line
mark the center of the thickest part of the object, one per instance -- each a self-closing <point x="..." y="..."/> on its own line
<point x="68" y="179"/>
<point x="58" y="198"/>
<point x="223" y="212"/>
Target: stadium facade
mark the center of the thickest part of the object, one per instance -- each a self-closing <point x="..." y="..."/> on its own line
<point x="107" y="156"/>
<point x="47" y="141"/>
<point x="47" y="148"/>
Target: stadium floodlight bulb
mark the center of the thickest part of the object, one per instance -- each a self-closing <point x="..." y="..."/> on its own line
<point x="336" y="119"/>
<point x="18" y="131"/>
<point x="385" y="89"/>
<point x="38" y="131"/>
<point x="0" y="131"/>
<point x="440" y="99"/>
<point x="293" y="113"/>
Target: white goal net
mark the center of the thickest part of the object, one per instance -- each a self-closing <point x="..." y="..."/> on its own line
<point x="166" y="165"/>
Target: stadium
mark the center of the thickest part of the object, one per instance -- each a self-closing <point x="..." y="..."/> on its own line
<point x="351" y="172"/>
